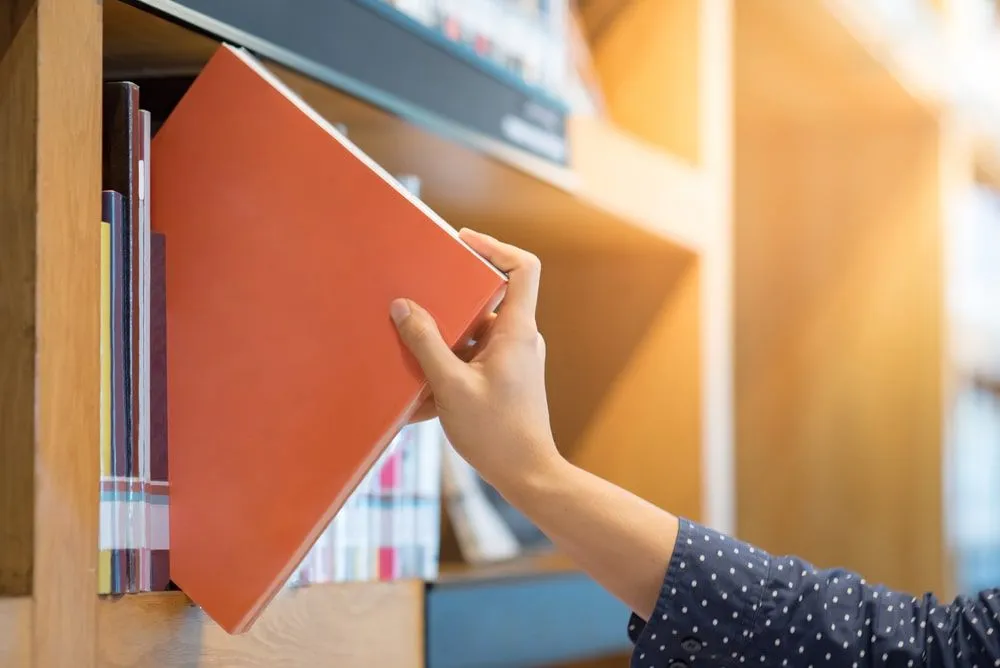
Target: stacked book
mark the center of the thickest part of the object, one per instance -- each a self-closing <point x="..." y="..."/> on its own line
<point x="389" y="529"/>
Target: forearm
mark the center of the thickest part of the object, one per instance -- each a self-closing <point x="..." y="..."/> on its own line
<point x="709" y="599"/>
<point x="622" y="541"/>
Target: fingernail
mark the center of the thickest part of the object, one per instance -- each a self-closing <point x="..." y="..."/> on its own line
<point x="399" y="310"/>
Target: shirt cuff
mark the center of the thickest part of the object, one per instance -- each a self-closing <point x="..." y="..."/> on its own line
<point x="708" y="602"/>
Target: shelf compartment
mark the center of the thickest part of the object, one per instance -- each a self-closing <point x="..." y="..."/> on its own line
<point x="839" y="315"/>
<point x="617" y="191"/>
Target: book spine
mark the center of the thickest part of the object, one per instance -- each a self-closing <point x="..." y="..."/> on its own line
<point x="112" y="490"/>
<point x="159" y="500"/>
<point x="407" y="500"/>
<point x="143" y="552"/>
<point x="105" y="541"/>
<point x="429" y="498"/>
<point x="389" y="510"/>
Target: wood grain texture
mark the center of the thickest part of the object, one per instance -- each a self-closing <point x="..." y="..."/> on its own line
<point x="18" y="201"/>
<point x="67" y="373"/>
<point x="839" y="350"/>
<point x="15" y="631"/>
<point x="342" y="626"/>
<point x="646" y="434"/>
<point x="654" y="96"/>
<point x="13" y="14"/>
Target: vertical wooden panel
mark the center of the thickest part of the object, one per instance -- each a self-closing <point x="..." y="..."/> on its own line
<point x="18" y="132"/>
<point x="66" y="383"/>
<point x="839" y="344"/>
<point x="647" y="57"/>
<point x="646" y="435"/>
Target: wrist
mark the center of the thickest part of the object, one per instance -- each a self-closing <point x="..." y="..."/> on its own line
<point x="528" y="485"/>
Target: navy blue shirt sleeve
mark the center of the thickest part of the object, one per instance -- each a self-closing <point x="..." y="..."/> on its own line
<point x="724" y="602"/>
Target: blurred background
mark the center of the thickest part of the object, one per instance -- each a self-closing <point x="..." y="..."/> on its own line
<point x="770" y="233"/>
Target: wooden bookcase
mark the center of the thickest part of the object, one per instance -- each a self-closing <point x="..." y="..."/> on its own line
<point x="849" y="155"/>
<point x="742" y="297"/>
<point x="634" y="305"/>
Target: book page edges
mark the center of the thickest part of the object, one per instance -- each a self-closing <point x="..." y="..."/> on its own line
<point x="488" y="306"/>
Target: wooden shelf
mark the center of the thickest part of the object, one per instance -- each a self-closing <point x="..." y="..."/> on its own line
<point x="322" y="625"/>
<point x="604" y="198"/>
<point x="634" y="307"/>
<point x="620" y="233"/>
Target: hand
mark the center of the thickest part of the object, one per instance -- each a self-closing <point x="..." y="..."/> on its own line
<point x="492" y="405"/>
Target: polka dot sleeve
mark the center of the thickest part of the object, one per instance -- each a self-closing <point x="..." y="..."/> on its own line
<point x="724" y="602"/>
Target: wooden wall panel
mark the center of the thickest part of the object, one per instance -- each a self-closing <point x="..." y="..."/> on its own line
<point x="50" y="86"/>
<point x="67" y="338"/>
<point x="646" y="435"/>
<point x="655" y="95"/>
<point x="839" y="344"/>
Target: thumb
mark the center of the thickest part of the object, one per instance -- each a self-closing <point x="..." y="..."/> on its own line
<point x="420" y="333"/>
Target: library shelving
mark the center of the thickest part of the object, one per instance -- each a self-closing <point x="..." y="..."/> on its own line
<point x="631" y="228"/>
<point x="851" y="148"/>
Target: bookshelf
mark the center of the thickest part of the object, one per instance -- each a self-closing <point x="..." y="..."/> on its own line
<point x="846" y="362"/>
<point x="632" y="232"/>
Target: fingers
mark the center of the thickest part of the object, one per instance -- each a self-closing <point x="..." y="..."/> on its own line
<point x="420" y="333"/>
<point x="523" y="268"/>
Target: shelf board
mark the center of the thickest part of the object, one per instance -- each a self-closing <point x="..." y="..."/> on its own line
<point x="342" y="625"/>
<point x="618" y="191"/>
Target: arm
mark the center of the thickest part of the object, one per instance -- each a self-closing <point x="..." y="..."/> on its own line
<point x="712" y="600"/>
<point x="709" y="599"/>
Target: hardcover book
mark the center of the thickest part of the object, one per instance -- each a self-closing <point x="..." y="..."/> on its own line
<point x="286" y="378"/>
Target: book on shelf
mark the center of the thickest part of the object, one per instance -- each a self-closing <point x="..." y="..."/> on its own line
<point x="262" y="249"/>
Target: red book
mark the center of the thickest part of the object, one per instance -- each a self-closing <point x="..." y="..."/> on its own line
<point x="285" y="376"/>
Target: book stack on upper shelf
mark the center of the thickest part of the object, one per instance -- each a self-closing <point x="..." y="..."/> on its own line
<point x="538" y="42"/>
<point x="260" y="250"/>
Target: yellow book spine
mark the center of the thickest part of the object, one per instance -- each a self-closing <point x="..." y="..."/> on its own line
<point x="104" y="555"/>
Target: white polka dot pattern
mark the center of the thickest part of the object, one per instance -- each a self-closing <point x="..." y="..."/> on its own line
<point x="727" y="603"/>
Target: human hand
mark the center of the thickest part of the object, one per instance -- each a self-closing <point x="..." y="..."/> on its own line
<point x="492" y="404"/>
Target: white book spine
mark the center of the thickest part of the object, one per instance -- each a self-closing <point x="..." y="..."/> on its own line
<point x="408" y="567"/>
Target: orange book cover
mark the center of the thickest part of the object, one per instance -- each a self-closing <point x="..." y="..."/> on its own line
<point x="286" y="378"/>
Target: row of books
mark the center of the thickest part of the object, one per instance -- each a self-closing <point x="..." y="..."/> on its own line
<point x="390" y="526"/>
<point x="540" y="42"/>
<point x="528" y="38"/>
<point x="133" y="467"/>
